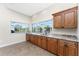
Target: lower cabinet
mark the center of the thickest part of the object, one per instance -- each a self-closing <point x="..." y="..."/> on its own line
<point x="61" y="47"/>
<point x="39" y="41"/>
<point x="43" y="42"/>
<point x="30" y="38"/>
<point x="78" y="49"/>
<point x="56" y="46"/>
<point x="71" y="48"/>
<point x="52" y="45"/>
<point x="27" y="37"/>
<point x="35" y="39"/>
<point x="67" y="48"/>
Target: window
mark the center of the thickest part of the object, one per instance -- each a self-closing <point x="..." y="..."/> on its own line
<point x="41" y="26"/>
<point x="17" y="27"/>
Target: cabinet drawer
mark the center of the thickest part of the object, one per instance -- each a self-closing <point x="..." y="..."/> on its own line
<point x="71" y="43"/>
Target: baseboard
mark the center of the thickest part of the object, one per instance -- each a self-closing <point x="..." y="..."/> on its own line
<point x="10" y="44"/>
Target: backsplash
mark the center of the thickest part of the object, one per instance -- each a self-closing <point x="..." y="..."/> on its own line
<point x="64" y="31"/>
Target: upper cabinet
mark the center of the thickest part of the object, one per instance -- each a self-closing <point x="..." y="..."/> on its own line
<point x="66" y="19"/>
<point x="58" y="20"/>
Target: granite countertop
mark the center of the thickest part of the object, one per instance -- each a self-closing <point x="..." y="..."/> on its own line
<point x="64" y="37"/>
<point x="58" y="36"/>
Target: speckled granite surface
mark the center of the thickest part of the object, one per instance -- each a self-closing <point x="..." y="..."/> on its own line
<point x="59" y="37"/>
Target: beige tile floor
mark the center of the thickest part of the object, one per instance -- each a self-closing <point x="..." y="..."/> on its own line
<point x="24" y="49"/>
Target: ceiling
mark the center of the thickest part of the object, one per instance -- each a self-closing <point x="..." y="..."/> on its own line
<point x="28" y="8"/>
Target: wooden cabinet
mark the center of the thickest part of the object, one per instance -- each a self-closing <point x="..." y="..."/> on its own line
<point x="31" y="39"/>
<point x="61" y="47"/>
<point x="70" y="18"/>
<point x="39" y="41"/>
<point x="43" y="42"/>
<point x="78" y="49"/>
<point x="27" y="37"/>
<point x="58" y="20"/>
<point x="35" y="39"/>
<point x="71" y="48"/>
<point x="66" y="19"/>
<point x="67" y="48"/>
<point x="52" y="45"/>
<point x="57" y="46"/>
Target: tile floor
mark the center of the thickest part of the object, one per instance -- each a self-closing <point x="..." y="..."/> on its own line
<point x="24" y="49"/>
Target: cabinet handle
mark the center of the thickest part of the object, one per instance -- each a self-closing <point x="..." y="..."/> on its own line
<point x="65" y="45"/>
<point x="62" y="26"/>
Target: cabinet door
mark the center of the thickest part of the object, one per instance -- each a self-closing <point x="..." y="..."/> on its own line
<point x="61" y="48"/>
<point x="58" y="21"/>
<point x="70" y="18"/>
<point x="71" y="49"/>
<point x="39" y="41"/>
<point x="78" y="49"/>
<point x="44" y="42"/>
<point x="27" y="37"/>
<point x="36" y="40"/>
<point x="32" y="40"/>
<point x="52" y="45"/>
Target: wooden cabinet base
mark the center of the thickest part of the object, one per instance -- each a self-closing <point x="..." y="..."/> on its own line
<point x="78" y="49"/>
<point x="44" y="42"/>
<point x="52" y="45"/>
<point x="56" y="46"/>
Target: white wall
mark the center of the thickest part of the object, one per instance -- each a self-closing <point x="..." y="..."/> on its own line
<point x="6" y="38"/>
<point x="54" y="8"/>
<point x="6" y="16"/>
<point x="47" y="14"/>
